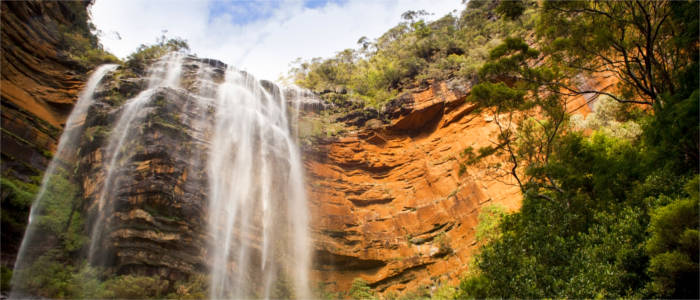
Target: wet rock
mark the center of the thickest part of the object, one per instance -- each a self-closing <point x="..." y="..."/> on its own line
<point x="39" y="85"/>
<point x="359" y="117"/>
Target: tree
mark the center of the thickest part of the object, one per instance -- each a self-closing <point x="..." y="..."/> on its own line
<point x="673" y="246"/>
<point x="511" y="9"/>
<point x="588" y="198"/>
<point x="649" y="47"/>
<point x="643" y="44"/>
<point x="511" y="89"/>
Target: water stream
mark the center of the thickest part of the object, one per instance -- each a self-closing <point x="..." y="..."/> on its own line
<point x="257" y="206"/>
<point x="164" y="73"/>
<point x="256" y="212"/>
<point x="62" y="161"/>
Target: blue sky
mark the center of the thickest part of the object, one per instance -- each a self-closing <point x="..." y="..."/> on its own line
<point x="247" y="11"/>
<point x="262" y="37"/>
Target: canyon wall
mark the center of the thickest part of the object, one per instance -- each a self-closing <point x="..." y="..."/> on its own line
<point x="39" y="85"/>
<point x="390" y="204"/>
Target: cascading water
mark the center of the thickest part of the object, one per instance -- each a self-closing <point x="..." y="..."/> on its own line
<point x="257" y="211"/>
<point x="164" y="73"/>
<point x="63" y="160"/>
<point x="239" y="166"/>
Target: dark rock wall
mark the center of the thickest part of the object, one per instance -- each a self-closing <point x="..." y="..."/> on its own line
<point x="39" y="85"/>
<point x="159" y="195"/>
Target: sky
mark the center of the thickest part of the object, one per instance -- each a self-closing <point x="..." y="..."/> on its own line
<point x="262" y="37"/>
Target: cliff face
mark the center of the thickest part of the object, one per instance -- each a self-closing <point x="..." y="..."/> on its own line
<point x="155" y="223"/>
<point x="39" y="84"/>
<point x="389" y="203"/>
<point x="391" y="206"/>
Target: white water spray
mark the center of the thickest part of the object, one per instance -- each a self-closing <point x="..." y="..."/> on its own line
<point x="64" y="156"/>
<point x="257" y="205"/>
<point x="164" y="73"/>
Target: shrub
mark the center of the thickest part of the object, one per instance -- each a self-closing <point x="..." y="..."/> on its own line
<point x="360" y="290"/>
<point x="489" y="220"/>
<point x="146" y="53"/>
<point x="413" y="52"/>
<point x="673" y="246"/>
<point x="5" y="278"/>
<point x="135" y="287"/>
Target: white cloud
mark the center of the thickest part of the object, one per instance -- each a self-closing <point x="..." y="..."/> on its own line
<point x="264" y="47"/>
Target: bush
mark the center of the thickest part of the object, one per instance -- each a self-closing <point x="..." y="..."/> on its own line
<point x="673" y="246"/>
<point x="444" y="292"/>
<point x="17" y="197"/>
<point x="489" y="220"/>
<point x="135" y="287"/>
<point x="84" y="51"/>
<point x="360" y="290"/>
<point x="77" y="40"/>
<point x="147" y="53"/>
<point x="58" y="212"/>
<point x="5" y="278"/>
<point x="473" y="287"/>
<point x="194" y="288"/>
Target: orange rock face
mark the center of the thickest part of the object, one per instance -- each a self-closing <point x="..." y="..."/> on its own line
<point x="39" y="86"/>
<point x="390" y="205"/>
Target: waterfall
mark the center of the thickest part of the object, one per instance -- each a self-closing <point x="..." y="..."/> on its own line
<point x="257" y="205"/>
<point x="164" y="73"/>
<point x="63" y="158"/>
<point x="239" y="167"/>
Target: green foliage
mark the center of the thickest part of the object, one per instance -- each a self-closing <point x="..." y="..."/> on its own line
<point x="673" y="134"/>
<point x="473" y="287"/>
<point x="5" y="278"/>
<point x="98" y="133"/>
<point x="194" y="288"/>
<point x="673" y="246"/>
<point x="57" y="235"/>
<point x="79" y="43"/>
<point x="360" y="290"/>
<point x="54" y="275"/>
<point x="421" y="292"/>
<point x="17" y="197"/>
<point x="489" y="219"/>
<point x="84" y="50"/>
<point x="412" y="53"/>
<point x="319" y="126"/>
<point x="444" y="292"/>
<point x="57" y="212"/>
<point x="49" y="276"/>
<point x="652" y="49"/>
<point x="144" y="54"/>
<point x="85" y="283"/>
<point x="588" y="239"/>
<point x="589" y="226"/>
<point x="610" y="260"/>
<point x="511" y="9"/>
<point x="612" y="118"/>
<point x="639" y="41"/>
<point x="135" y="287"/>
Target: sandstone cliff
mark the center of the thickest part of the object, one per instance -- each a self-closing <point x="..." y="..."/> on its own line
<point x="39" y="84"/>
<point x="390" y="204"/>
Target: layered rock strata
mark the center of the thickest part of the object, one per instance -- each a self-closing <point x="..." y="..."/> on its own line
<point x="390" y="204"/>
<point x="39" y="84"/>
